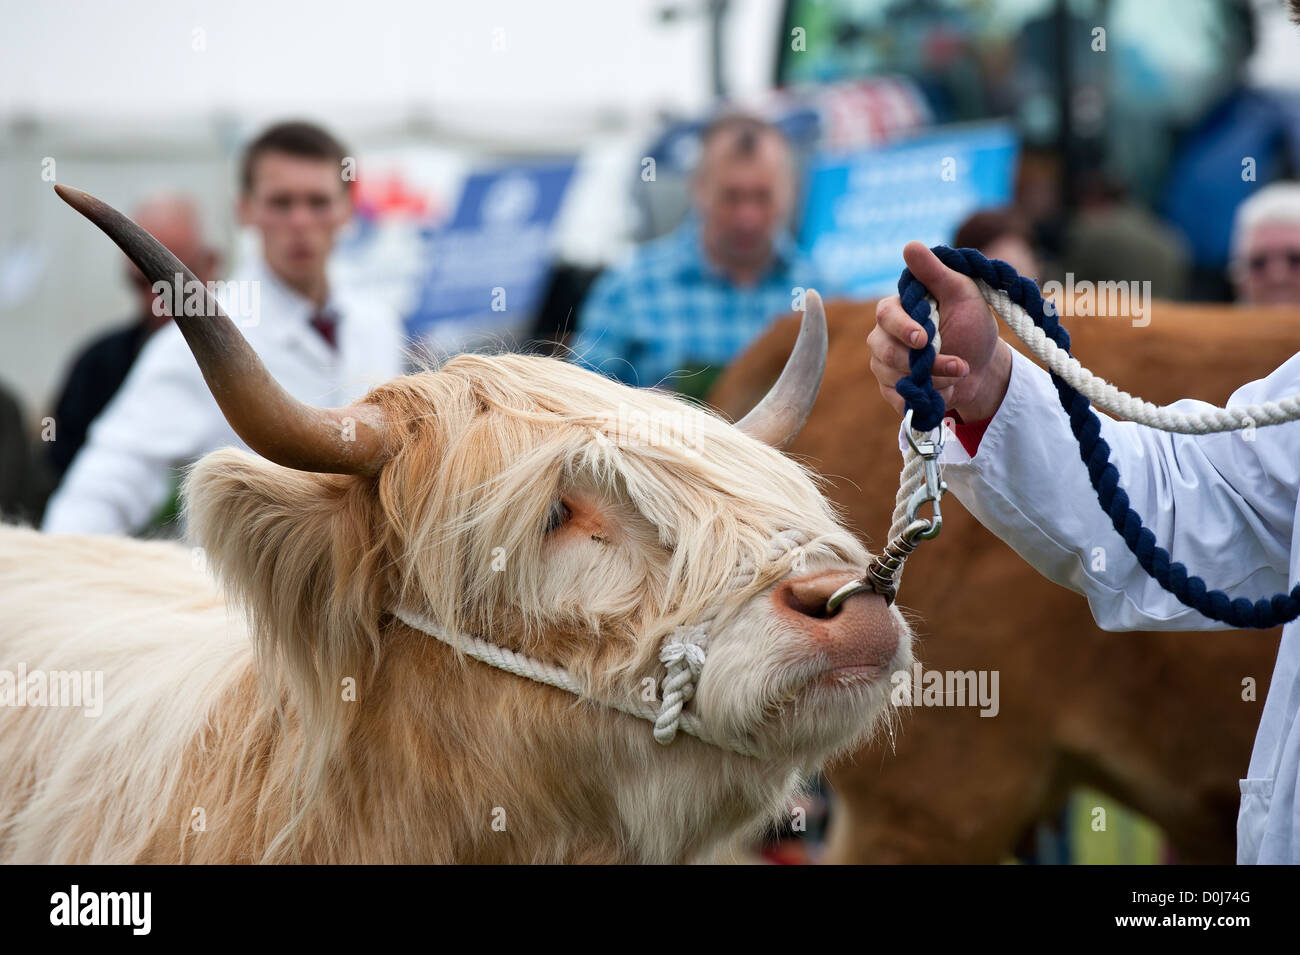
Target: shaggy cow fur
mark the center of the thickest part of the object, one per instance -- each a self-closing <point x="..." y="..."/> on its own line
<point x="286" y="716"/>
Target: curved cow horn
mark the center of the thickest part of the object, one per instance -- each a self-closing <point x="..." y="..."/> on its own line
<point x="276" y="425"/>
<point x="778" y="417"/>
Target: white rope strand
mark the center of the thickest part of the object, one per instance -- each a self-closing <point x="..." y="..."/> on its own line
<point x="1120" y="403"/>
<point x="556" y="676"/>
<point x="683" y="659"/>
<point x="913" y="474"/>
<point x="683" y="655"/>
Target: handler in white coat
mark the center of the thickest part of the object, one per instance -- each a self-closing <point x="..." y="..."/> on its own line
<point x="323" y="347"/>
<point x="1224" y="506"/>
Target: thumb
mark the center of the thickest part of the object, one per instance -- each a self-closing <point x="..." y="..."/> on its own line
<point x="944" y="284"/>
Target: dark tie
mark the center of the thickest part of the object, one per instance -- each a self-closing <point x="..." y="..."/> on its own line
<point x="325" y="323"/>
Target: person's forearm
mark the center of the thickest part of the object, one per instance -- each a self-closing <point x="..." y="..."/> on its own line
<point x="1029" y="487"/>
<point x="988" y="390"/>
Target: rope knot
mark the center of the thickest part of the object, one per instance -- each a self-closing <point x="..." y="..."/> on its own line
<point x="683" y="658"/>
<point x="676" y="653"/>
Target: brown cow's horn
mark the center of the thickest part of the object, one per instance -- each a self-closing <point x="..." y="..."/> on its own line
<point x="778" y="417"/>
<point x="276" y="425"/>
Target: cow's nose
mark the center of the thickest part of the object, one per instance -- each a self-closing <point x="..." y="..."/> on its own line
<point x="861" y="634"/>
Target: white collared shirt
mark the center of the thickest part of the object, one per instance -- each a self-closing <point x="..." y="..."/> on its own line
<point x="164" y="417"/>
<point x="1225" y="505"/>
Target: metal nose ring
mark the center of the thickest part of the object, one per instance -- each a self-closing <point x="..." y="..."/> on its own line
<point x="848" y="590"/>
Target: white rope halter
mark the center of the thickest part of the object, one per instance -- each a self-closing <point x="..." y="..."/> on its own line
<point x="682" y="653"/>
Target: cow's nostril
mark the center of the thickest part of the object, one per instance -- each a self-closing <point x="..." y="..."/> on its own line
<point x="804" y="603"/>
<point x="808" y="595"/>
<point x="860" y="636"/>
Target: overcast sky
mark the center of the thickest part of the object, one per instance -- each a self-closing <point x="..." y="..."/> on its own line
<point x="261" y="57"/>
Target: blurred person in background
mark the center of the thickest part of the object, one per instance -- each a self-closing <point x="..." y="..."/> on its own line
<point x="1000" y="234"/>
<point x="323" y="346"/>
<point x="24" y="478"/>
<point x="1115" y="239"/>
<point x="686" y="304"/>
<point x="1265" y="256"/>
<point x="100" y="368"/>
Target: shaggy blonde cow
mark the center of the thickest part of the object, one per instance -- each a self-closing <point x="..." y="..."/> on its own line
<point x="311" y="706"/>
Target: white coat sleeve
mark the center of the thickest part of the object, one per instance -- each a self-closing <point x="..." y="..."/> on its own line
<point x="162" y="417"/>
<point x="1224" y="505"/>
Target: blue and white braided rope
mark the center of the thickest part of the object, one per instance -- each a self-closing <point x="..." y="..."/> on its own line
<point x="1018" y="301"/>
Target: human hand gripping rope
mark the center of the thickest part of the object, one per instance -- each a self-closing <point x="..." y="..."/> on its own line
<point x="1019" y="303"/>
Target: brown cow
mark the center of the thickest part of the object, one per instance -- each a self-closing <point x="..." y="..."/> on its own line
<point x="1155" y="719"/>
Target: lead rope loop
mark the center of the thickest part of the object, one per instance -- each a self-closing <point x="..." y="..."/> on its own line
<point x="1019" y="302"/>
<point x="921" y="480"/>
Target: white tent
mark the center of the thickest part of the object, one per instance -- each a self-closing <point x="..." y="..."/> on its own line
<point x="132" y="98"/>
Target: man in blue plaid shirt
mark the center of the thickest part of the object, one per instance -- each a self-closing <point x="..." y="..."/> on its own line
<point x="684" y="305"/>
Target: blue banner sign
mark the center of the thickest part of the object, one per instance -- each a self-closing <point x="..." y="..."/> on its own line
<point x="864" y="206"/>
<point x="489" y="263"/>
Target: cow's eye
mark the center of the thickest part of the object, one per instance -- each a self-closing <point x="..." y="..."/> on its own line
<point x="558" y="516"/>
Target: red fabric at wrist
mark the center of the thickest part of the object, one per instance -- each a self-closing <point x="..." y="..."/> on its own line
<point x="970" y="433"/>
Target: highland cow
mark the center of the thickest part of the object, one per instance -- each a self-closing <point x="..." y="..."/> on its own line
<point x="317" y="700"/>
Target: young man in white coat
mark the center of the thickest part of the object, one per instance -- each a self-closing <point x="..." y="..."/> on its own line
<point x="324" y="347"/>
<point x="1223" y="506"/>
